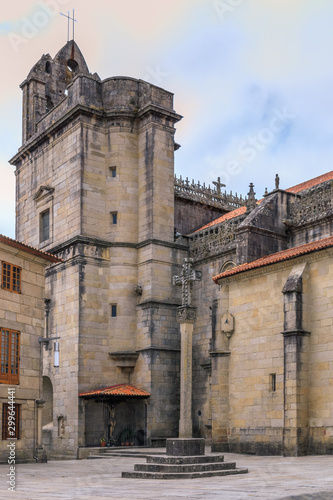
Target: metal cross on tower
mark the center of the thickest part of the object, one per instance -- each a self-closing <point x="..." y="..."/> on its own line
<point x="69" y="19"/>
<point x="185" y="280"/>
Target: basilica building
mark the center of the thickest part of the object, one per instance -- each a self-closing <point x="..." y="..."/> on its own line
<point x="96" y="190"/>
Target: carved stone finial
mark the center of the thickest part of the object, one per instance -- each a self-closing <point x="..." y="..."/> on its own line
<point x="185" y="280"/>
<point x="277" y="181"/>
<point x="266" y="191"/>
<point x="251" y="201"/>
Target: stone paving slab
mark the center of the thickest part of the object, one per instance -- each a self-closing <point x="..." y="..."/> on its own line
<point x="268" y="478"/>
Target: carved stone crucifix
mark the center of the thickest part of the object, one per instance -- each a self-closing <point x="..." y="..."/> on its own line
<point x="186" y="317"/>
<point x="185" y="280"/>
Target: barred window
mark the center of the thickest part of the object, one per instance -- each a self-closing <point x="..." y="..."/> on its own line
<point x="9" y="356"/>
<point x="11" y="277"/>
<point x="11" y="426"/>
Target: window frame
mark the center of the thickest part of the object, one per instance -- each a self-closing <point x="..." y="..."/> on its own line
<point x="114" y="218"/>
<point x="272" y="382"/>
<point x="42" y="227"/>
<point x="113" y="172"/>
<point x="9" y="349"/>
<point x="10" y="277"/>
<point x="114" y="310"/>
<point x="5" y="429"/>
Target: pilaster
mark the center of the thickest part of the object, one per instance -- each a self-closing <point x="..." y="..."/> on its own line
<point x="296" y="368"/>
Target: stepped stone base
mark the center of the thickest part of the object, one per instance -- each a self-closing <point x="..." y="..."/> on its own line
<point x="181" y="467"/>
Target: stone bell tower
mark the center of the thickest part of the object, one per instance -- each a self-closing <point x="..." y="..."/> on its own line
<point x="95" y="186"/>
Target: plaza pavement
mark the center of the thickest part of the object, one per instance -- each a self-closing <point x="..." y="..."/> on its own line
<point x="268" y="478"/>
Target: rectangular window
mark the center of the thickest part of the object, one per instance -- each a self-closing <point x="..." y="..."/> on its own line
<point x="273" y="382"/>
<point x="9" y="356"/>
<point x="45" y="226"/>
<point x="11" y="426"/>
<point x="113" y="171"/>
<point x="113" y="310"/>
<point x="114" y="218"/>
<point x="11" y="277"/>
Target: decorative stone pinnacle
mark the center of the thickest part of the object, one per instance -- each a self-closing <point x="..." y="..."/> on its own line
<point x="185" y="280"/>
<point x="251" y="202"/>
<point x="277" y="181"/>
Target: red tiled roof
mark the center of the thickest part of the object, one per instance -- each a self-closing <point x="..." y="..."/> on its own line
<point x="290" y="253"/>
<point x="227" y="216"/>
<point x="26" y="248"/>
<point x="312" y="182"/>
<point x="118" y="390"/>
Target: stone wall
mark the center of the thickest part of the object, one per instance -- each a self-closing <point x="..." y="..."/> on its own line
<point x="191" y="215"/>
<point x="24" y="312"/>
<point x="295" y="418"/>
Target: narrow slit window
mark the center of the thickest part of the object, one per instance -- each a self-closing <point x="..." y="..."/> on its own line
<point x="273" y="382"/>
<point x="114" y="218"/>
<point x="113" y="171"/>
<point x="113" y="310"/>
<point x="45" y="226"/>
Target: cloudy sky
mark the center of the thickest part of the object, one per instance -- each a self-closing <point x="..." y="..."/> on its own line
<point x="252" y="78"/>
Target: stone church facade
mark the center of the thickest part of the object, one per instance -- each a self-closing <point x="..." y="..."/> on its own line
<point x="96" y="188"/>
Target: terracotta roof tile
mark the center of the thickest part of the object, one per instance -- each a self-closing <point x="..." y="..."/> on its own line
<point x="311" y="183"/>
<point x="117" y="390"/>
<point x="290" y="253"/>
<point x="27" y="248"/>
<point x="227" y="216"/>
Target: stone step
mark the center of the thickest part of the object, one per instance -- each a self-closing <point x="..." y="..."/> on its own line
<point x="134" y="453"/>
<point x="181" y="475"/>
<point x="185" y="468"/>
<point x="117" y="455"/>
<point x="197" y="459"/>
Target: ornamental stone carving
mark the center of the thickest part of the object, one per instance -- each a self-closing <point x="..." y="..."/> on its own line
<point x="312" y="204"/>
<point x="185" y="280"/>
<point x="213" y="197"/>
<point x="212" y="241"/>
<point x="186" y="314"/>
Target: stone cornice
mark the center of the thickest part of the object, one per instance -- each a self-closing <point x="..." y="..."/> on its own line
<point x="36" y="140"/>
<point x="105" y="243"/>
<point x="158" y="348"/>
<point x="153" y="241"/>
<point x="156" y="303"/>
<point x="156" y="109"/>
<point x="219" y="354"/>
<point x="295" y="333"/>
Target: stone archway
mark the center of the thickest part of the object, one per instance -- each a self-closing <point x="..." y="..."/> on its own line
<point x="47" y="415"/>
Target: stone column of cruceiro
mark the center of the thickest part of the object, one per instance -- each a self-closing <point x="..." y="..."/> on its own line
<point x="40" y="454"/>
<point x="186" y="315"/>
